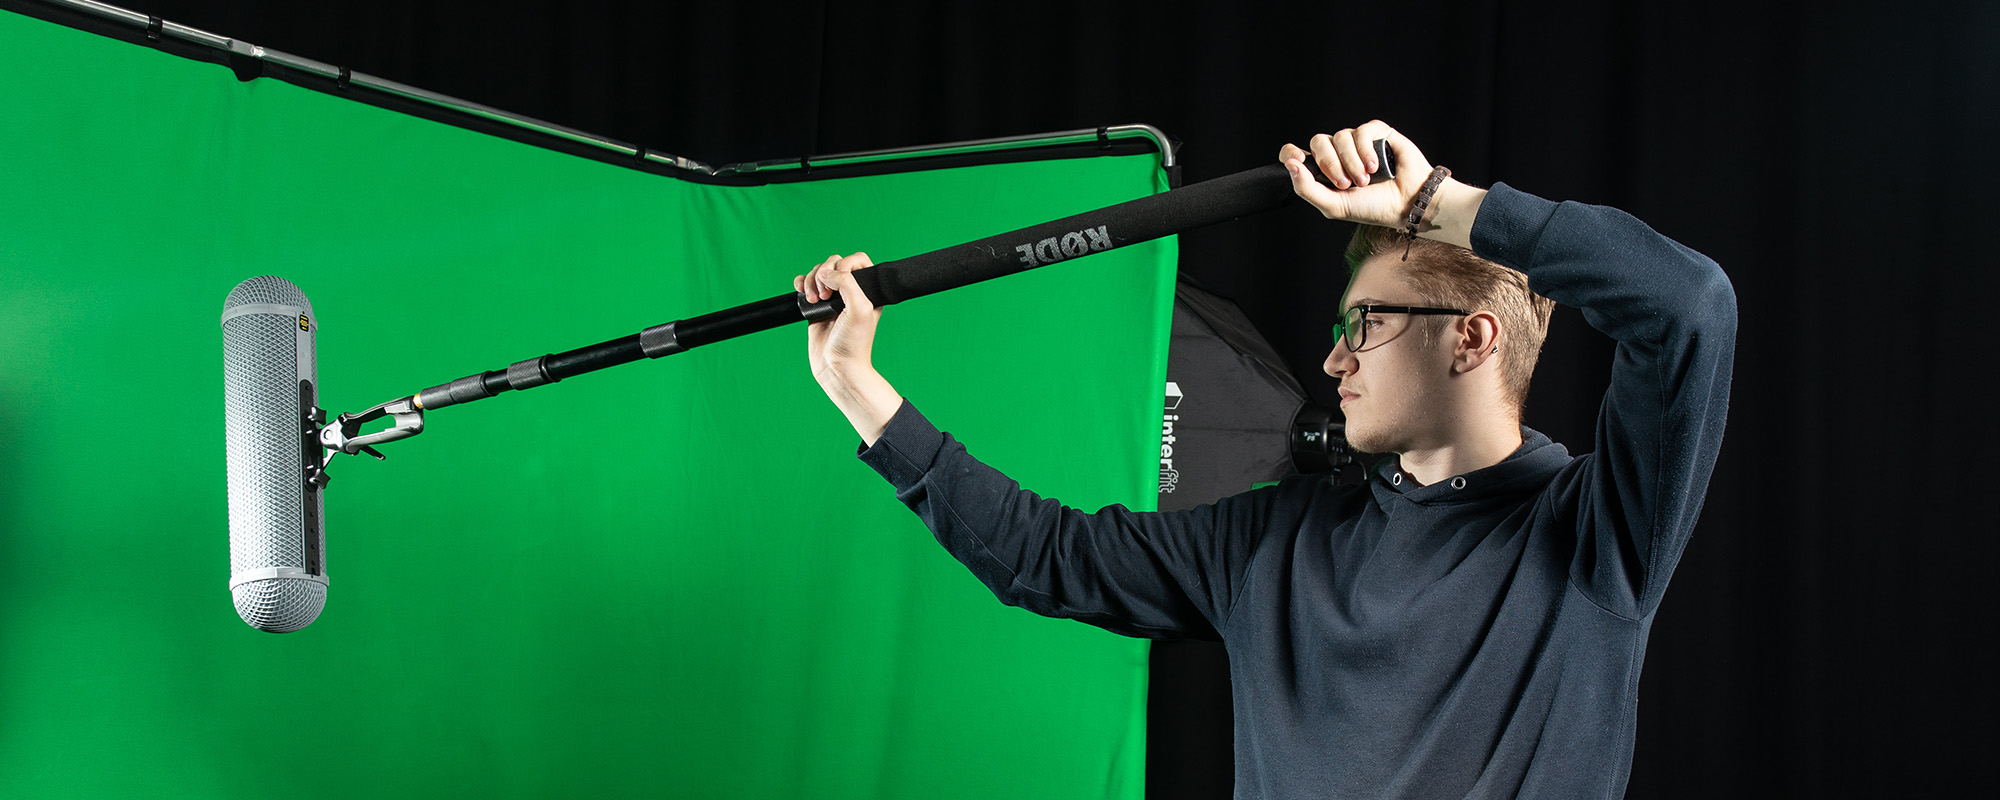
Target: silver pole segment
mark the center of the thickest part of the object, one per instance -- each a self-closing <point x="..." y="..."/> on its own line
<point x="1079" y="135"/>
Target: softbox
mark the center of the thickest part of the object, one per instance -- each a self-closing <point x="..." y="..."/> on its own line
<point x="1234" y="415"/>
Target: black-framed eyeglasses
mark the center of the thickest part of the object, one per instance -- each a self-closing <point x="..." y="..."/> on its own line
<point x="1359" y="322"/>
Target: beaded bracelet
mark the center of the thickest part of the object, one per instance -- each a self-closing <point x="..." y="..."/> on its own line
<point x="1421" y="205"/>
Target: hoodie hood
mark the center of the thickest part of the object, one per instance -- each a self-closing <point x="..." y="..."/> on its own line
<point x="1525" y="471"/>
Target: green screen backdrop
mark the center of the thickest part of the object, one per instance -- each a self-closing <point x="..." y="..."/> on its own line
<point x="670" y="579"/>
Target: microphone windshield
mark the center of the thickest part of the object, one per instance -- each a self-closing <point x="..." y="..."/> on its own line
<point x="270" y="377"/>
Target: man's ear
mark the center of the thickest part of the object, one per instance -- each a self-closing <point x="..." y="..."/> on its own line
<point x="1478" y="340"/>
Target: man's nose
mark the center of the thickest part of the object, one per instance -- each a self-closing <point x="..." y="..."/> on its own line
<point x="1340" y="362"/>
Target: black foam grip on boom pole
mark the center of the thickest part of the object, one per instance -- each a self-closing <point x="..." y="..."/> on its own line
<point x="1252" y="191"/>
<point x="1199" y="205"/>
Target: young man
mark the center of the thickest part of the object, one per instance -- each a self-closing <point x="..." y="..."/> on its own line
<point x="1469" y="623"/>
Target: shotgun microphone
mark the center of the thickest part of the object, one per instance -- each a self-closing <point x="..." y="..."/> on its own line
<point x="270" y="407"/>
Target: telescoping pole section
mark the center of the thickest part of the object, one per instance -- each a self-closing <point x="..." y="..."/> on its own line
<point x="654" y="342"/>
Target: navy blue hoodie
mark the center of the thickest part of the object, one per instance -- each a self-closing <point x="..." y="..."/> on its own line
<point x="1472" y="638"/>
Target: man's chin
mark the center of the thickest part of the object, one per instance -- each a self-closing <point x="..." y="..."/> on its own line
<point x="1365" y="439"/>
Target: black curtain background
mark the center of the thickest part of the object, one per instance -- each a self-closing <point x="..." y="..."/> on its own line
<point x="1827" y="631"/>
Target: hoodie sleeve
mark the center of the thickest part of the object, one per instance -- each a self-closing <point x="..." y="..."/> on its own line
<point x="1146" y="574"/>
<point x="1672" y="313"/>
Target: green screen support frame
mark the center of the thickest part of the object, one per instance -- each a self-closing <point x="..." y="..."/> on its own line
<point x="250" y="61"/>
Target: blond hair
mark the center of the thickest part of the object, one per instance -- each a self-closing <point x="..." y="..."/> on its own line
<point x="1451" y="276"/>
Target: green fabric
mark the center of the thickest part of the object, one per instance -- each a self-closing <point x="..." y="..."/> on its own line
<point x="668" y="579"/>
